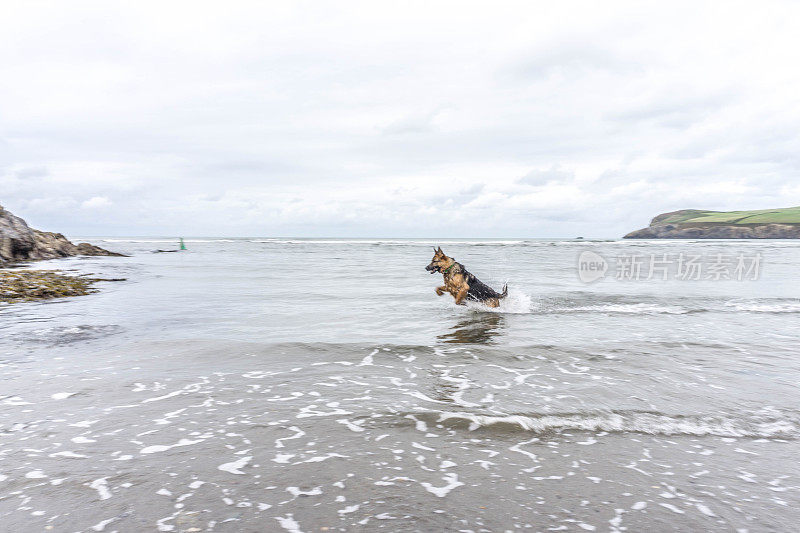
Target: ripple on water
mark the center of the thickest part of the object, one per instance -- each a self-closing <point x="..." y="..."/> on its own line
<point x="62" y="335"/>
<point x="781" y="425"/>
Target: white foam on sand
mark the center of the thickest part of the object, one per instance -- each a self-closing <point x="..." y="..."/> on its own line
<point x="288" y="523"/>
<point x="71" y="455"/>
<point x="101" y="486"/>
<point x="234" y="467"/>
<point x="84" y="423"/>
<point x="298" y="433"/>
<point x="441" y="492"/>
<point x="671" y="508"/>
<point x="367" y="361"/>
<point x="705" y="510"/>
<point x="349" y="509"/>
<point x="15" y="400"/>
<point x="62" y="395"/>
<point x="320" y="458"/>
<point x="295" y="491"/>
<point x="351" y="426"/>
<point x="162" y="448"/>
<point x="100" y="526"/>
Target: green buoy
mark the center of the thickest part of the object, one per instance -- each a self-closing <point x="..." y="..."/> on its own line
<point x="183" y="246"/>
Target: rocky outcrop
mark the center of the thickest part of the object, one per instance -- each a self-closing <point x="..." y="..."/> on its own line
<point x="26" y="285"/>
<point x="660" y="229"/>
<point x="18" y="242"/>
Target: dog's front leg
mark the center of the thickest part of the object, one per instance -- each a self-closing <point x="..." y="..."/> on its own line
<point x="460" y="295"/>
<point x="441" y="290"/>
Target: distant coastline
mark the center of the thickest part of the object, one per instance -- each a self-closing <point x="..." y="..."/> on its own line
<point x="700" y="224"/>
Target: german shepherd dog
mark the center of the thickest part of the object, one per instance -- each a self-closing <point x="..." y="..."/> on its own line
<point x="461" y="284"/>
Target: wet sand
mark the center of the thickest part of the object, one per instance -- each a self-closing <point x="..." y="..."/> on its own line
<point x="300" y="438"/>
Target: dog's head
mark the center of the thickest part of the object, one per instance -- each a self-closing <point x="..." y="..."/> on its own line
<point x="439" y="261"/>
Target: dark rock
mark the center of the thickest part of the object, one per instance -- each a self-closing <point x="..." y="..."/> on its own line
<point x="18" y="242"/>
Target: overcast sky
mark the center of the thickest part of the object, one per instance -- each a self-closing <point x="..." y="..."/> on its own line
<point x="451" y="119"/>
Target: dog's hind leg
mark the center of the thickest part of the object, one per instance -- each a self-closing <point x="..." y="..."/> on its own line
<point x="460" y="295"/>
<point x="441" y="290"/>
<point x="492" y="302"/>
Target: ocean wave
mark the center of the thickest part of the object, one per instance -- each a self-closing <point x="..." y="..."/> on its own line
<point x="388" y="242"/>
<point x="556" y="307"/>
<point x="521" y="303"/>
<point x="68" y="334"/>
<point x="164" y="241"/>
<point x="762" y="307"/>
<point x="760" y="425"/>
<point x="636" y="309"/>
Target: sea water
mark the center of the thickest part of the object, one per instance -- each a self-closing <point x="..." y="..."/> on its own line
<point x="301" y="384"/>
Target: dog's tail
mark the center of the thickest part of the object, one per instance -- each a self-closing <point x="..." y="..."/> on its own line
<point x="505" y="291"/>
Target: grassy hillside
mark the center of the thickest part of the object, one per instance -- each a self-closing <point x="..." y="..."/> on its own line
<point x="788" y="215"/>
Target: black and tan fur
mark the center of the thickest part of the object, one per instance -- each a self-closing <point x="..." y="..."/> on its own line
<point x="462" y="284"/>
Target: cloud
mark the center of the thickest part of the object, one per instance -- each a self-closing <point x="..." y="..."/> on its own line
<point x="413" y="123"/>
<point x="96" y="202"/>
<point x="31" y="173"/>
<point x="574" y="56"/>
<point x="541" y="177"/>
<point x="371" y="119"/>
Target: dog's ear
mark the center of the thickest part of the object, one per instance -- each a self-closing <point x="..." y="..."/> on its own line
<point x="440" y="250"/>
<point x="435" y="250"/>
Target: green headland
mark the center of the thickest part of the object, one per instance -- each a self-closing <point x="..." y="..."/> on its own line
<point x="781" y="223"/>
